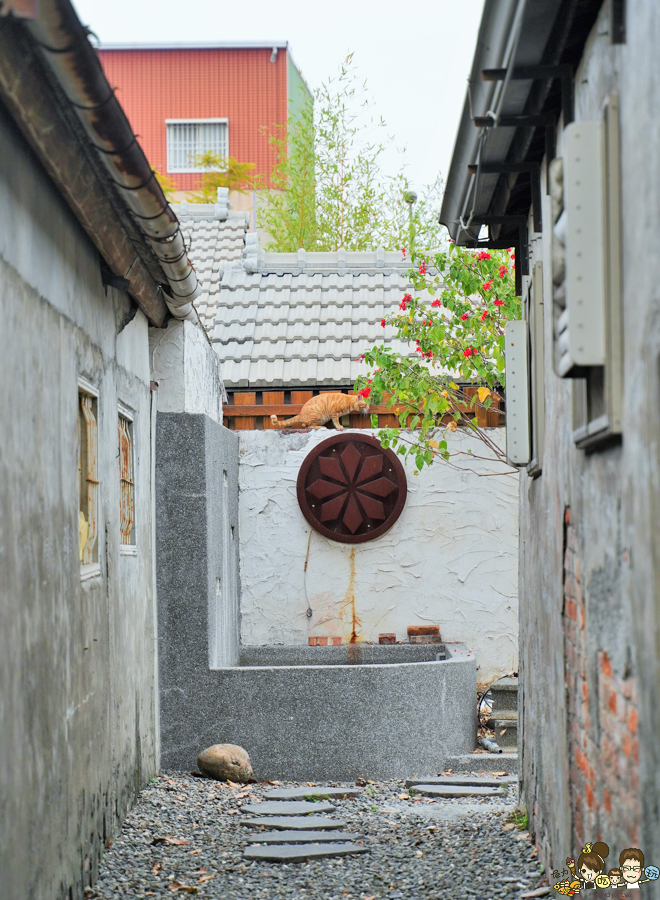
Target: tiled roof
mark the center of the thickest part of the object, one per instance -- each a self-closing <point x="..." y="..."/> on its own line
<point x="216" y="237"/>
<point x="291" y="319"/>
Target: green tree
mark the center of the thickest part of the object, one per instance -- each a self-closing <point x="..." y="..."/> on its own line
<point x="227" y="173"/>
<point x="328" y="187"/>
<point x="457" y="334"/>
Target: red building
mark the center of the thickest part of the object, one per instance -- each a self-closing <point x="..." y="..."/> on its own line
<point x="188" y="99"/>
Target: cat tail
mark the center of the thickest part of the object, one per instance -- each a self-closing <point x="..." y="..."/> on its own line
<point x="285" y="424"/>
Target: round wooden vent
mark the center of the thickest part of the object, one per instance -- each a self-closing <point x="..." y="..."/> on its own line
<point x="350" y="489"/>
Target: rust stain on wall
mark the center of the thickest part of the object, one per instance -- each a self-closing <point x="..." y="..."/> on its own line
<point x="349" y="600"/>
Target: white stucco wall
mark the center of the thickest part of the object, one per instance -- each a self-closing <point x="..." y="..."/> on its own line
<point x="451" y="559"/>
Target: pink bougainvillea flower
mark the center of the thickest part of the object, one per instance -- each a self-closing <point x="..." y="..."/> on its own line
<point x="487" y="285"/>
<point x="484" y="314"/>
<point x="406" y="300"/>
<point x="364" y="392"/>
<point x="503" y="271"/>
<point x="437" y="303"/>
<point x="359" y="358"/>
<point x="382" y="323"/>
<point x="465" y="316"/>
<point x="468" y="352"/>
<point x="513" y="256"/>
<point x="422" y="268"/>
<point x="483" y="255"/>
<point x="498" y="302"/>
<point x="403" y="250"/>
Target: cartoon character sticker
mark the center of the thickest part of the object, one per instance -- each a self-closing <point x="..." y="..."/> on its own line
<point x="589" y="873"/>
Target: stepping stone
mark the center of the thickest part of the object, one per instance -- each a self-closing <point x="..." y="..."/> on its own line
<point x="334" y="793"/>
<point x="474" y="780"/>
<point x="455" y="790"/>
<point x="300" y="852"/>
<point x="299" y="823"/>
<point x="286" y="808"/>
<point x="303" y="837"/>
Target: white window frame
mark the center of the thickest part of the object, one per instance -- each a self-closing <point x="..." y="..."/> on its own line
<point x="91" y="569"/>
<point x="123" y="412"/>
<point x="192" y="169"/>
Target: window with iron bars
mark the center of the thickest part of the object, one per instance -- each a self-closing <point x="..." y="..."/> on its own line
<point x="126" y="484"/>
<point x="88" y="481"/>
<point x="189" y="138"/>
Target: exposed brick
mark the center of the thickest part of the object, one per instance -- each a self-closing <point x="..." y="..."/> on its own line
<point x="626" y="745"/>
<point x="632" y="720"/>
<point x="612" y="702"/>
<point x="571" y="609"/>
<point x="605" y="665"/>
<point x="607" y="801"/>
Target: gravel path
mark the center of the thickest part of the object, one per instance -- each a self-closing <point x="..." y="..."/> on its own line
<point x="183" y="837"/>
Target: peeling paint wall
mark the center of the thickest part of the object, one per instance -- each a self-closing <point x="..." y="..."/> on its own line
<point x="450" y="560"/>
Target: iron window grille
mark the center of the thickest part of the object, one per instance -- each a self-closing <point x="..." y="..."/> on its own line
<point x="189" y="138"/>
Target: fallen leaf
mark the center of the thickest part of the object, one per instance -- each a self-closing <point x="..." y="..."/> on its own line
<point x="534" y="852"/>
<point x="156" y="868"/>
<point x="509" y="827"/>
<point x="404" y="797"/>
<point x="311" y="784"/>
<point x="499" y="774"/>
<point x="232" y="812"/>
<point x="233" y="784"/>
<point x="188" y="888"/>
<point x="370" y="898"/>
<point x="360" y="782"/>
<point x="372" y="782"/>
<point x="206" y="878"/>
<point x="178" y="842"/>
<point x="503" y="731"/>
<point x="201" y="871"/>
<point x="193" y="852"/>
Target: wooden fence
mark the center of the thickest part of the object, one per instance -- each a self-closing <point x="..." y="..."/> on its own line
<point x="243" y="413"/>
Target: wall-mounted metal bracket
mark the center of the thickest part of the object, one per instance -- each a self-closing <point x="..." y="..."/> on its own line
<point x="564" y="73"/>
<point x="534" y="170"/>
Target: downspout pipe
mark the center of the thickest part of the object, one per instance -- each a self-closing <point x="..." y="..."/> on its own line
<point x="64" y="42"/>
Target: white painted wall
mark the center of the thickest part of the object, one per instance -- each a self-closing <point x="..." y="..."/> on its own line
<point x="451" y="559"/>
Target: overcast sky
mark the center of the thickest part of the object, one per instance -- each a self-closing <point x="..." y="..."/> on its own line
<point x="415" y="55"/>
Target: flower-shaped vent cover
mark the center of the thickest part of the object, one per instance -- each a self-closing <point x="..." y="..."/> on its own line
<point x="350" y="489"/>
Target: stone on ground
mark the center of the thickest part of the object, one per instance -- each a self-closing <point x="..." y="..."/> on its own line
<point x="225" y="762"/>
<point x="303" y="837"/>
<point x="318" y="791"/>
<point x="476" y="780"/>
<point x="286" y="808"/>
<point x="306" y="823"/>
<point x="456" y="790"/>
<point x="300" y="852"/>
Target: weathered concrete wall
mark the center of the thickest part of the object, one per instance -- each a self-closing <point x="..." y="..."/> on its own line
<point x="449" y="560"/>
<point x="78" y="735"/>
<point x="590" y="547"/>
<point x="197" y="561"/>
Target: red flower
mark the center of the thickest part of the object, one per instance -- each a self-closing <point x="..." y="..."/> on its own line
<point x="483" y="255"/>
<point x="406" y="300"/>
<point x="498" y="302"/>
<point x="503" y="271"/>
<point x="513" y="256"/>
<point x="487" y="285"/>
<point x="364" y="392"/>
<point x="465" y="316"/>
<point x="359" y="358"/>
<point x="403" y="250"/>
<point x="382" y="323"/>
<point x="485" y="313"/>
<point x="422" y="268"/>
<point x="437" y="303"/>
<point x="469" y="352"/>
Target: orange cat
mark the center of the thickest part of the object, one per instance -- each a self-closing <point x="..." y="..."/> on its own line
<point x="319" y="410"/>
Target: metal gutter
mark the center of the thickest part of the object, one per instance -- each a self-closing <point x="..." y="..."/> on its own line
<point x="506" y="140"/>
<point x="65" y="46"/>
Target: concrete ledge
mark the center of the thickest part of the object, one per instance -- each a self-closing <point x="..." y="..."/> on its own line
<point x="335" y="721"/>
<point x="348" y="654"/>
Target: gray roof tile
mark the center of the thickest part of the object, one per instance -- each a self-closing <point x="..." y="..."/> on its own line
<point x="287" y="319"/>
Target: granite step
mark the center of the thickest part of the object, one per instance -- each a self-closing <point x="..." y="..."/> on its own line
<point x="286" y="808"/>
<point x="484" y="762"/>
<point x="301" y="852"/>
<point x="475" y="780"/>
<point x="505" y="694"/>
<point x="317" y="792"/>
<point x="505" y="725"/>
<point x="456" y="790"/>
<point x="304" y="823"/>
<point x="303" y="837"/>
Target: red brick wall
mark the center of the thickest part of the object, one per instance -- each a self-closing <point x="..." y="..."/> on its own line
<point x="242" y="85"/>
<point x="602" y="735"/>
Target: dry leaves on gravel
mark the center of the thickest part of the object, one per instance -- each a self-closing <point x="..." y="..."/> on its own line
<point x="179" y="842"/>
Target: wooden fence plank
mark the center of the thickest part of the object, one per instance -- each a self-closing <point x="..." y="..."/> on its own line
<point x="244" y="399"/>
